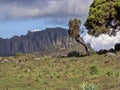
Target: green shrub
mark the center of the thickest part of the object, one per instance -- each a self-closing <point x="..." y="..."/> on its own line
<point x="73" y="54"/>
<point x="113" y="74"/>
<point x="37" y="80"/>
<point x="46" y="57"/>
<point x="94" y="70"/>
<point x="117" y="74"/>
<point x="87" y="86"/>
<point x="18" y="54"/>
<point x="109" y="73"/>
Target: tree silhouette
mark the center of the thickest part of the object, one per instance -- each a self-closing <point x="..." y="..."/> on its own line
<point x="74" y="29"/>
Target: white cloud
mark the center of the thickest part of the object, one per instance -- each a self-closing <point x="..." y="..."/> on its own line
<point x="44" y="8"/>
<point x="103" y="41"/>
<point x="36" y="30"/>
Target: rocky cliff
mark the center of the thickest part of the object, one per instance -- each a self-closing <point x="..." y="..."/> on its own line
<point x="39" y="41"/>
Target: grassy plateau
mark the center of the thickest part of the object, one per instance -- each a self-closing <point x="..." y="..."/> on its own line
<point x="30" y="72"/>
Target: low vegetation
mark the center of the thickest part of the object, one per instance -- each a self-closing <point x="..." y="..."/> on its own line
<point x="30" y="72"/>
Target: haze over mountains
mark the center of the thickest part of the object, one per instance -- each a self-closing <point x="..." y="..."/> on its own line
<point x="38" y="41"/>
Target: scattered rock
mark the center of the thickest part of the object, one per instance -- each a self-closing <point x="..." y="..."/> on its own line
<point x="21" y="62"/>
<point x="117" y="46"/>
<point x="4" y="60"/>
<point x="11" y="59"/>
<point x="107" y="62"/>
<point x="111" y="50"/>
<point x="110" y="54"/>
<point x="102" y="51"/>
<point x="118" y="57"/>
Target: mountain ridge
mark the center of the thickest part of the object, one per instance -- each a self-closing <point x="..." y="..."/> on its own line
<point x="45" y="40"/>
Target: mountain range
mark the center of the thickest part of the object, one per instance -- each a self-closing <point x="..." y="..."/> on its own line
<point x="50" y="39"/>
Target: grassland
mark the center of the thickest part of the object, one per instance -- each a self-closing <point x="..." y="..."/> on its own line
<point x="29" y="72"/>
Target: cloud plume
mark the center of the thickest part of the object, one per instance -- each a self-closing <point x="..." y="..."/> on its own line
<point x="103" y="41"/>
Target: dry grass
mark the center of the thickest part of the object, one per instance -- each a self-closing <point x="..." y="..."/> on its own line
<point x="28" y="72"/>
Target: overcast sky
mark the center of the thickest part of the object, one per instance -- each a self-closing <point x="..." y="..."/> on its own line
<point x="25" y="9"/>
<point x="19" y="16"/>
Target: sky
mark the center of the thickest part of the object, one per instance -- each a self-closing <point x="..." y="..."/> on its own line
<point x="17" y="17"/>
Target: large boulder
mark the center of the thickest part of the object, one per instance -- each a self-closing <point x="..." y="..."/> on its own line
<point x="117" y="46"/>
